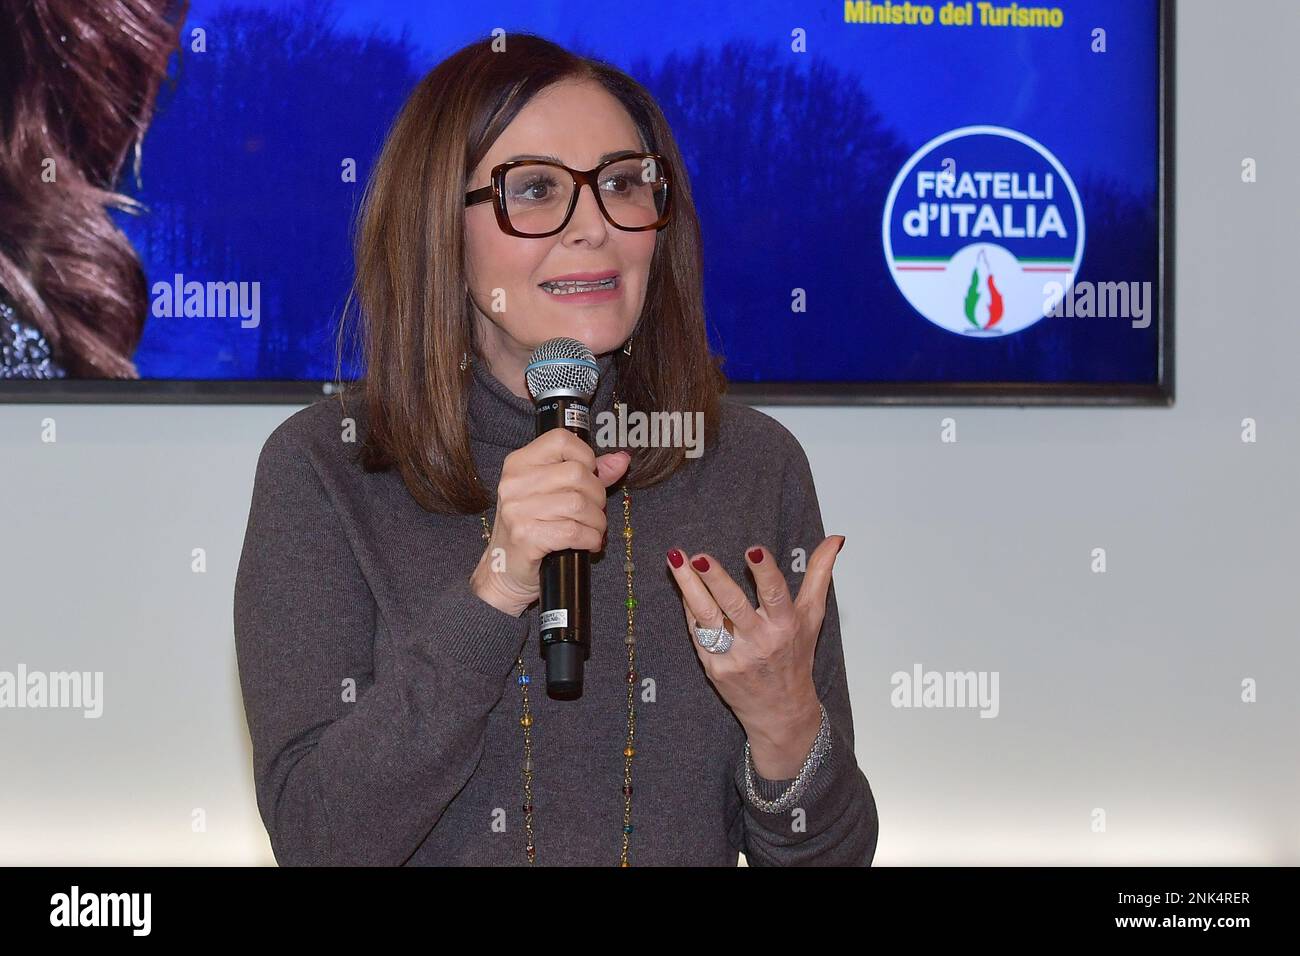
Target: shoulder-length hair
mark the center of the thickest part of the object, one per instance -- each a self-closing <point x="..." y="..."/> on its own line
<point x="79" y="82"/>
<point x="411" y="296"/>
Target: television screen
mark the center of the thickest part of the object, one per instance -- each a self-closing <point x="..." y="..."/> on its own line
<point x="929" y="202"/>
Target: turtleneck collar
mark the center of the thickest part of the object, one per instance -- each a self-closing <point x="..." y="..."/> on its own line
<point x="497" y="416"/>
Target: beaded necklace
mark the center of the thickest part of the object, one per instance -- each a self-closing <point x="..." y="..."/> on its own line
<point x="526" y="718"/>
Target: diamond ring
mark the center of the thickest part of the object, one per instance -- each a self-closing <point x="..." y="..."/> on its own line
<point x="715" y="640"/>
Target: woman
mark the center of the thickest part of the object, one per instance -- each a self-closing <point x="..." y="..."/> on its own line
<point x="387" y="645"/>
<point x="79" y="82"/>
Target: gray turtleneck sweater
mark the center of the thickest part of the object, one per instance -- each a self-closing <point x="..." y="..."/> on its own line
<point x="380" y="689"/>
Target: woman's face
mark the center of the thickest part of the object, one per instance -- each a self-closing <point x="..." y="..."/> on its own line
<point x="577" y="122"/>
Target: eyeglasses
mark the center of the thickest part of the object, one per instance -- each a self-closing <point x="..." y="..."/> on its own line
<point x="535" y="198"/>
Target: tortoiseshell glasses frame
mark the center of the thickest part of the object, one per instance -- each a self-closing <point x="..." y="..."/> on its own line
<point x="496" y="192"/>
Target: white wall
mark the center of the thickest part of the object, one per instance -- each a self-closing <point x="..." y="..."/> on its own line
<point x="1118" y="691"/>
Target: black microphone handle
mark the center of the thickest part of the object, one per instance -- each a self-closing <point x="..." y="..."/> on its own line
<point x="565" y="576"/>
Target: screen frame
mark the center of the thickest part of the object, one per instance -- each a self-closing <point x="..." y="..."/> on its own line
<point x="264" y="392"/>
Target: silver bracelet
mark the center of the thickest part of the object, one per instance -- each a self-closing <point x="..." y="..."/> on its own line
<point x="820" y="748"/>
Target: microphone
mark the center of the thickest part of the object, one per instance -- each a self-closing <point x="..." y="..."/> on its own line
<point x="562" y="377"/>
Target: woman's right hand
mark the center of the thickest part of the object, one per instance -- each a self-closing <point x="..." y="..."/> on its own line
<point x="551" y="497"/>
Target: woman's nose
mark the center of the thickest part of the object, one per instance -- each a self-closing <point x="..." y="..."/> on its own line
<point x="587" y="216"/>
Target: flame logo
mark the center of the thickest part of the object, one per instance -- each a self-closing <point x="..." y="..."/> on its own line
<point x="973" y="294"/>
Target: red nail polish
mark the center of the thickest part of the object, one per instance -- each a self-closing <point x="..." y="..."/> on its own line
<point x="701" y="563"/>
<point x="675" y="557"/>
<point x="756" y="555"/>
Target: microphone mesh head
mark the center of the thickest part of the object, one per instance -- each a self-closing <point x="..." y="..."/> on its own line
<point x="562" y="366"/>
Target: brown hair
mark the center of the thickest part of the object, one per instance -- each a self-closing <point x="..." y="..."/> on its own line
<point x="412" y="300"/>
<point x="80" y="81"/>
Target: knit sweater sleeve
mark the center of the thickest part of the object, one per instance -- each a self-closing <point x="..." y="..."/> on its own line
<point x="354" y="778"/>
<point x="834" y="823"/>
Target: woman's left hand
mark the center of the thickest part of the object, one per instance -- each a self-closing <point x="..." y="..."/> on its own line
<point x="766" y="678"/>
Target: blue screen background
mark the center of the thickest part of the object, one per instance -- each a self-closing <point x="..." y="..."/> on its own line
<point x="241" y="170"/>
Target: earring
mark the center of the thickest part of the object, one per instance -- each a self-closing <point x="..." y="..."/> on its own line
<point x="627" y="349"/>
<point x="464" y="361"/>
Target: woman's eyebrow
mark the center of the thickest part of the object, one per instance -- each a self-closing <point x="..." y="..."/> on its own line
<point x="555" y="159"/>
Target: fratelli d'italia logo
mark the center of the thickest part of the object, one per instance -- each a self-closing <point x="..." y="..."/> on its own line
<point x="978" y="224"/>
